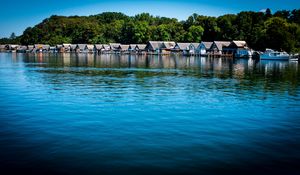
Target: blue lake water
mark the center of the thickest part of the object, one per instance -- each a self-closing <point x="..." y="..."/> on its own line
<point x="112" y="114"/>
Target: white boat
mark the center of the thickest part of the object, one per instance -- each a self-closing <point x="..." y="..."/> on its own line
<point x="294" y="57"/>
<point x="270" y="54"/>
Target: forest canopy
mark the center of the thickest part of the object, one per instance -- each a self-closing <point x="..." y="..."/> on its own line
<point x="280" y="31"/>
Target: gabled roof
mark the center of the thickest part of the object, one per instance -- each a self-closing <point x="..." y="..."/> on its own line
<point x="73" y="46"/>
<point x="22" y="48"/>
<point x="239" y="43"/>
<point x="154" y="45"/>
<point x="140" y="46"/>
<point x="124" y="47"/>
<point x="106" y="46"/>
<point x="82" y="46"/>
<point x="58" y="46"/>
<point x="46" y="47"/>
<point x="132" y="46"/>
<point x="66" y="45"/>
<point x="206" y="44"/>
<point x="15" y="46"/>
<point x="114" y="45"/>
<point x="38" y="46"/>
<point x="195" y="44"/>
<point x="90" y="46"/>
<point x="168" y="45"/>
<point x="98" y="46"/>
<point x="221" y="44"/>
<point x="183" y="46"/>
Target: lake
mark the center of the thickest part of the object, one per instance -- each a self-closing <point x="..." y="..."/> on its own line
<point x="112" y="114"/>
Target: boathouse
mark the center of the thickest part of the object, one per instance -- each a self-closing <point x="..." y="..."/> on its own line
<point x="66" y="47"/>
<point x="167" y="46"/>
<point x="37" y="47"/>
<point x="98" y="48"/>
<point x="123" y="48"/>
<point x="153" y="46"/>
<point x="81" y="48"/>
<point x="73" y="47"/>
<point x="114" y="46"/>
<point x="217" y="47"/>
<point x="90" y="48"/>
<point x="238" y="49"/>
<point x="106" y="47"/>
<point x="163" y="47"/>
<point x="182" y="48"/>
<point x="22" y="49"/>
<point x="185" y="48"/>
<point x="41" y="48"/>
<point x="30" y="48"/>
<point x="140" y="48"/>
<point x="52" y="49"/>
<point x="132" y="47"/>
<point x="12" y="47"/>
<point x="45" y="48"/>
<point x="203" y="48"/>
<point x="60" y="48"/>
<point x="2" y="48"/>
<point x="193" y="47"/>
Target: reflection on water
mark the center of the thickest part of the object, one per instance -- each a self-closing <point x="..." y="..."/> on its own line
<point x="221" y="65"/>
<point x="247" y="71"/>
<point x="129" y="114"/>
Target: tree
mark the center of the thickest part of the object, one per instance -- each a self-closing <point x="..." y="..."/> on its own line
<point x="295" y="16"/>
<point x="278" y="36"/>
<point x="145" y="17"/>
<point x="190" y="21"/>
<point x="258" y="29"/>
<point x="162" y="33"/>
<point x="294" y="30"/>
<point x="113" y="30"/>
<point x="228" y="29"/>
<point x="268" y="13"/>
<point x="141" y="32"/>
<point x="12" y="36"/>
<point x="194" y="34"/>
<point x="285" y="14"/>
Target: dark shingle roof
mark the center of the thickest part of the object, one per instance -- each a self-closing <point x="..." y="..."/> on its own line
<point x="221" y="44"/>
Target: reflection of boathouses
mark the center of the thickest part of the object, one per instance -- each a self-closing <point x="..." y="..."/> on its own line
<point x="211" y="49"/>
<point x="205" y="64"/>
<point x="239" y="69"/>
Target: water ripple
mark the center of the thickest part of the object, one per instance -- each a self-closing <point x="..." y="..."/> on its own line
<point x="74" y="114"/>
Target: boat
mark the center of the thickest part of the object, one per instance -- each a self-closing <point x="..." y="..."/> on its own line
<point x="270" y="54"/>
<point x="295" y="57"/>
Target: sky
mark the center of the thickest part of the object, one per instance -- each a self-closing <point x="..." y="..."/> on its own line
<point x="17" y="15"/>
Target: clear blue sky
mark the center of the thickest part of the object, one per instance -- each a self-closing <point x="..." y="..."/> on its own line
<point x="17" y="15"/>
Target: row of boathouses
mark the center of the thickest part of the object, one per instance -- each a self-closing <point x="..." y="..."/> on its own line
<point x="216" y="48"/>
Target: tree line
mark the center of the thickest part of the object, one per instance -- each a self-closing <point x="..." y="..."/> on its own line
<point x="280" y="31"/>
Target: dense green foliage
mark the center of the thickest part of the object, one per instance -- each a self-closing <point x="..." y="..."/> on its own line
<point x="280" y="31"/>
